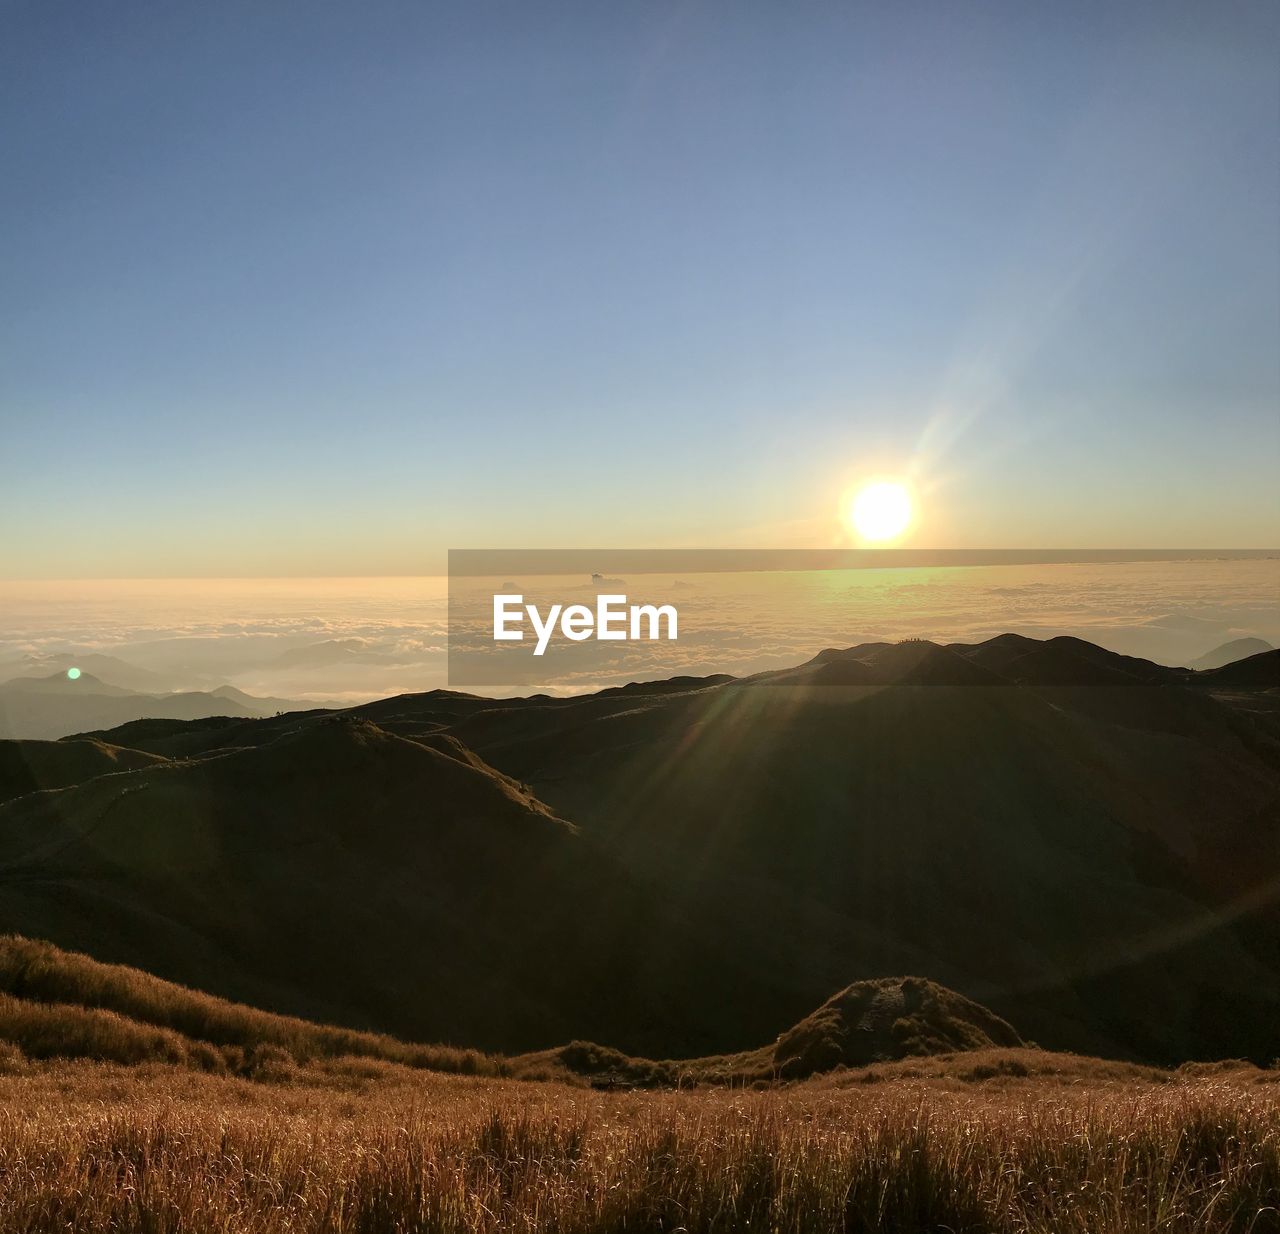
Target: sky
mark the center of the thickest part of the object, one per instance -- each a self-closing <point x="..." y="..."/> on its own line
<point x="327" y="289"/>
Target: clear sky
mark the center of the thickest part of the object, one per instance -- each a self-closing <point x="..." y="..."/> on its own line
<point x="309" y="288"/>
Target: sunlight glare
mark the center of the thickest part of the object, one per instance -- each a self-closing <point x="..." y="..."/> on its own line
<point x="881" y="511"/>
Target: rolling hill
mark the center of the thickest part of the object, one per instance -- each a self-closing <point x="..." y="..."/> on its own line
<point x="345" y="873"/>
<point x="29" y="766"/>
<point x="60" y="1004"/>
<point x="1085" y="843"/>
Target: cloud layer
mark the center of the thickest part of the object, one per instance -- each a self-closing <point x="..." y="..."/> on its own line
<point x="355" y="639"/>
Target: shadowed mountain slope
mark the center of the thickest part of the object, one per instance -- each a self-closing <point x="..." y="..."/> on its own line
<point x="29" y="766"/>
<point x="676" y="868"/>
<point x="1096" y="863"/>
<point x="345" y="873"/>
<point x="1261" y="671"/>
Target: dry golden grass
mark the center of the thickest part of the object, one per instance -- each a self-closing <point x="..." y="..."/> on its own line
<point x="368" y="1147"/>
<point x="129" y="1105"/>
<point x="60" y="1004"/>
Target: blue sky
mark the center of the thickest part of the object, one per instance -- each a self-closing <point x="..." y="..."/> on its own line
<point x="321" y="288"/>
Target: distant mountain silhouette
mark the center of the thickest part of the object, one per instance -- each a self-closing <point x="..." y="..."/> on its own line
<point x="60" y="685"/>
<point x="941" y="666"/>
<point x="1229" y="653"/>
<point x="1085" y="843"/>
<point x="999" y="652"/>
<point x="1261" y="671"/>
<point x="55" y="705"/>
<point x="259" y="704"/>
<point x="98" y="664"/>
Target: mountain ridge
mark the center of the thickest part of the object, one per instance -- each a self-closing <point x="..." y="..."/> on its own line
<point x="735" y="852"/>
<point x="54" y="706"/>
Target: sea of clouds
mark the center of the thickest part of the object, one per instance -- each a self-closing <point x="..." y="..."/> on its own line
<point x="349" y="640"/>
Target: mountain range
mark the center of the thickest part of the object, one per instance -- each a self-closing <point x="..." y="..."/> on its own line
<point x="57" y="704"/>
<point x="1087" y="844"/>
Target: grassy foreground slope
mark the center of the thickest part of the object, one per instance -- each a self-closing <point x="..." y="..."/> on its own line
<point x="234" y="1121"/>
<point x="100" y="1150"/>
<point x="56" y="1004"/>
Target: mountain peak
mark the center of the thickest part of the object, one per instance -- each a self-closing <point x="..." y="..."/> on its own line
<point x="1230" y="653"/>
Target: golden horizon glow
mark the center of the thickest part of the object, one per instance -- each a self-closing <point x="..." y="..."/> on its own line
<point x="881" y="511"/>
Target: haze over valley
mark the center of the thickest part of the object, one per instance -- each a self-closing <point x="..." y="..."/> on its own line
<point x="295" y="643"/>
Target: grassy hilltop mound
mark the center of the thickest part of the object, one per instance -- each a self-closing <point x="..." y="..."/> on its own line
<point x="1088" y="842"/>
<point x="875" y="1021"/>
<point x="879" y="1021"/>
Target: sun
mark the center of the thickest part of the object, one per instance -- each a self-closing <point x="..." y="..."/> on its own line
<point x="881" y="511"/>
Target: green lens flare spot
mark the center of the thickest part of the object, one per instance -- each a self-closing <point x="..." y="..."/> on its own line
<point x="73" y="673"/>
